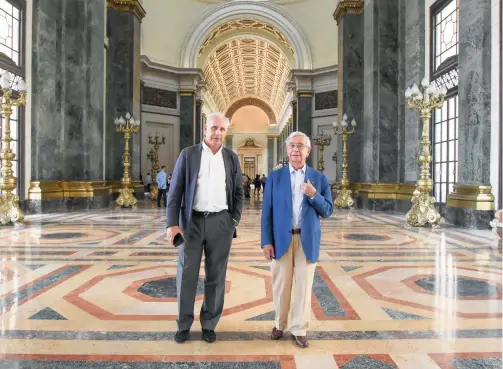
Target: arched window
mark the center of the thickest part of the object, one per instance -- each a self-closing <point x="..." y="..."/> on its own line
<point x="12" y="61"/>
<point x="444" y="71"/>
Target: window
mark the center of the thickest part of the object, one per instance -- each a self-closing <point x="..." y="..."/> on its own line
<point x="444" y="71"/>
<point x="11" y="61"/>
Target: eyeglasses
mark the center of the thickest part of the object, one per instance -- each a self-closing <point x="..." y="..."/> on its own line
<point x="296" y="146"/>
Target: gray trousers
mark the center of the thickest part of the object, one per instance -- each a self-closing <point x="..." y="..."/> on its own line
<point x="213" y="235"/>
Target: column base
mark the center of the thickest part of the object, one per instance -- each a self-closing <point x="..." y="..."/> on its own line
<point x="470" y="206"/>
<point x="469" y="218"/>
<point x="385" y="205"/>
<point x="67" y="204"/>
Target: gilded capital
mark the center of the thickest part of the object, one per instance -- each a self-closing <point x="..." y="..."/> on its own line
<point x="132" y="6"/>
<point x="347" y="7"/>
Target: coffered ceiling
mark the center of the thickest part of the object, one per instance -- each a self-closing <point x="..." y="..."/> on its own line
<point x="247" y="67"/>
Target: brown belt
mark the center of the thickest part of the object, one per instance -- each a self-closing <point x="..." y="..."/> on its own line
<point x="296" y="231"/>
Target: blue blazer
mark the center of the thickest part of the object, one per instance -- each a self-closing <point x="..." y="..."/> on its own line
<point x="277" y="212"/>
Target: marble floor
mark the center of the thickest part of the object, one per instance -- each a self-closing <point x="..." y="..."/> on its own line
<point x="97" y="290"/>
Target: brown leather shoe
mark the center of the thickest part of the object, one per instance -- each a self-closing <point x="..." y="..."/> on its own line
<point x="276" y="334"/>
<point x="301" y="341"/>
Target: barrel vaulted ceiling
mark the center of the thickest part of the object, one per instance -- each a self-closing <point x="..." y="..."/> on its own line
<point x="246" y="65"/>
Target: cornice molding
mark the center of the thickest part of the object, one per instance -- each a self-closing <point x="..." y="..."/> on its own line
<point x="132" y="6"/>
<point x="348" y="7"/>
<point x="145" y="60"/>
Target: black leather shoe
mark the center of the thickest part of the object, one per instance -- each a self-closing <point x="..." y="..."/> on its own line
<point x="182" y="336"/>
<point x="209" y="335"/>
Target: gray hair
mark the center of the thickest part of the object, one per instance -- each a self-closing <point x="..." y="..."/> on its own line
<point x="218" y="116"/>
<point x="306" y="141"/>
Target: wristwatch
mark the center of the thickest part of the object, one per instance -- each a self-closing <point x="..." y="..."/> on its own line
<point x="235" y="222"/>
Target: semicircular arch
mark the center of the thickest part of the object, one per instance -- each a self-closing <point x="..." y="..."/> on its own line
<point x="251" y="101"/>
<point x="267" y="13"/>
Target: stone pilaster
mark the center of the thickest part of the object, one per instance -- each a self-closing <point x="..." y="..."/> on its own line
<point x="279" y="149"/>
<point x="411" y="61"/>
<point x="468" y="206"/>
<point x="187" y="118"/>
<point x="295" y="111"/>
<point x="123" y="83"/>
<point x="304" y="119"/>
<point x="270" y="153"/>
<point x="67" y="99"/>
<point x="380" y="93"/>
<point x="351" y="89"/>
<point x="199" y="124"/>
<point x="228" y="142"/>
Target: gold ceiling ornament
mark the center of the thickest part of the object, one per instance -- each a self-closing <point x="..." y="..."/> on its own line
<point x="252" y="101"/>
<point x="132" y="6"/>
<point x="247" y="68"/>
<point x="347" y="7"/>
<point x="249" y="24"/>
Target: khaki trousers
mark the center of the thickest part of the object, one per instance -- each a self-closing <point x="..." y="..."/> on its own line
<point x="293" y="269"/>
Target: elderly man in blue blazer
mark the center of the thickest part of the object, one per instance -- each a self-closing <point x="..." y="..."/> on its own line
<point x="295" y="198"/>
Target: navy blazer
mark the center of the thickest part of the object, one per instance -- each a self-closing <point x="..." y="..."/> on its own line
<point x="277" y="212"/>
<point x="182" y="190"/>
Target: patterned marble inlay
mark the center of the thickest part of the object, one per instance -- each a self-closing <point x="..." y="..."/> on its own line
<point x="61" y="236"/>
<point x="47" y="314"/>
<point x="364" y="237"/>
<point x="166" y="288"/>
<point x="462" y="286"/>
<point x="364" y="362"/>
<point x="108" y="299"/>
<point x="482" y="363"/>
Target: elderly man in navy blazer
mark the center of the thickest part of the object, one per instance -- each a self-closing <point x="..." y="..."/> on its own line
<point x="204" y="206"/>
<point x="295" y="198"/>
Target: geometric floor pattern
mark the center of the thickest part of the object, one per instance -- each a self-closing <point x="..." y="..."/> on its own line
<point x="97" y="290"/>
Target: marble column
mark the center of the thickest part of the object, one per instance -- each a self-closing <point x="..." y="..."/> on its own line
<point x="470" y="204"/>
<point x="380" y="93"/>
<point x="275" y="152"/>
<point x="411" y="60"/>
<point x="305" y="111"/>
<point x="67" y="101"/>
<point x="279" y="149"/>
<point x="270" y="153"/>
<point x="351" y="90"/>
<point x="228" y="142"/>
<point x="187" y="118"/>
<point x="295" y="111"/>
<point x="123" y="86"/>
<point x="199" y="124"/>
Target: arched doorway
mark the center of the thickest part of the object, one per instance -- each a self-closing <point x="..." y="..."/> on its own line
<point x="250" y="158"/>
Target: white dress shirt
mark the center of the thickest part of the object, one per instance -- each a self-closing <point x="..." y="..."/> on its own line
<point x="296" y="180"/>
<point x="211" y="192"/>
